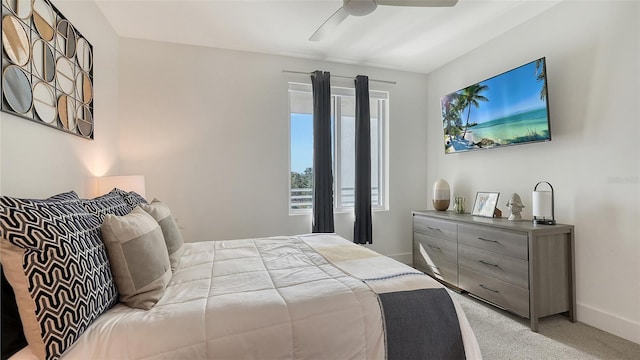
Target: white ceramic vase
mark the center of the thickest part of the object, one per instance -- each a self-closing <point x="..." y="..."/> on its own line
<point x="441" y="195"/>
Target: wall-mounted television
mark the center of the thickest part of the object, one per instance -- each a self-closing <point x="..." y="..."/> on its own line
<point x="508" y="109"/>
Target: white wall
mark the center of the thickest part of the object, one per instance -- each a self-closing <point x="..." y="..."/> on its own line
<point x="593" y="52"/>
<point x="209" y="129"/>
<point x="37" y="161"/>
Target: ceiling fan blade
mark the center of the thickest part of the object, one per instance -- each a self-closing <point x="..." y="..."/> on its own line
<point x="418" y="3"/>
<point x="332" y="22"/>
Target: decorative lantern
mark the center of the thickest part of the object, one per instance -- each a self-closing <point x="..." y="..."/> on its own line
<point x="543" y="212"/>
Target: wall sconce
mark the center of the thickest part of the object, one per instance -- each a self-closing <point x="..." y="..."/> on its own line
<point x="127" y="183"/>
<point x="543" y="213"/>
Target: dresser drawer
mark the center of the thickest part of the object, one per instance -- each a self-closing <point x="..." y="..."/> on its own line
<point x="434" y="227"/>
<point x="438" y="268"/>
<point x="512" y="270"/>
<point x="503" y="294"/>
<point x="499" y="241"/>
<point x="435" y="247"/>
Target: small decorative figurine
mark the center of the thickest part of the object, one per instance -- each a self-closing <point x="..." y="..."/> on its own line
<point x="515" y="205"/>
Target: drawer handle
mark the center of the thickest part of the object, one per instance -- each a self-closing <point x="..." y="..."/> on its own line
<point x="433" y="229"/>
<point x="488" y="240"/>
<point x="434" y="247"/>
<point x="489" y="264"/>
<point x="488" y="288"/>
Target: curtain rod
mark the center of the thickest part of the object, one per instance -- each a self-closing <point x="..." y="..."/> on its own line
<point x="339" y="76"/>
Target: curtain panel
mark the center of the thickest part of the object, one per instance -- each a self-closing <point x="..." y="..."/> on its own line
<point x="362" y="233"/>
<point x="322" y="161"/>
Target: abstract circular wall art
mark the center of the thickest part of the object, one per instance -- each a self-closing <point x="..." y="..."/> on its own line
<point x="47" y="68"/>
<point x="44" y="101"/>
<point x="15" y="40"/>
<point x="43" y="60"/>
<point x="16" y="89"/>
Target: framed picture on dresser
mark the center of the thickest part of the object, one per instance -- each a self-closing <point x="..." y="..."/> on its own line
<point x="485" y="204"/>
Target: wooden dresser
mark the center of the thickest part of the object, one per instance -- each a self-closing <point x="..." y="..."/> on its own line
<point x="523" y="268"/>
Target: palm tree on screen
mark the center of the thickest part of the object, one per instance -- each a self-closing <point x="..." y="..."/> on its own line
<point x="541" y="76"/>
<point x="451" y="113"/>
<point x="471" y="96"/>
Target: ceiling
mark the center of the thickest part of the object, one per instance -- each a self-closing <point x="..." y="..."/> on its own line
<point x="402" y="38"/>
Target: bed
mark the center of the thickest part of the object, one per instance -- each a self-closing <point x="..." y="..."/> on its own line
<point x="314" y="296"/>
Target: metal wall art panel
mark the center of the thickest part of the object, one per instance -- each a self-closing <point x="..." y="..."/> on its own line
<point x="47" y="68"/>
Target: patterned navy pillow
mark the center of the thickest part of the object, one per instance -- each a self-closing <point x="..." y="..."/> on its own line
<point x="111" y="203"/>
<point x="13" y="338"/>
<point x="11" y="327"/>
<point x="69" y="195"/>
<point x="53" y="257"/>
<point x="132" y="198"/>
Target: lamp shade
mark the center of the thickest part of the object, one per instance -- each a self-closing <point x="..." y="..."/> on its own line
<point x="127" y="183"/>
<point x="542" y="204"/>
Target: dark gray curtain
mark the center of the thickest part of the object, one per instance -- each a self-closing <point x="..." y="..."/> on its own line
<point x="362" y="189"/>
<point x="322" y="164"/>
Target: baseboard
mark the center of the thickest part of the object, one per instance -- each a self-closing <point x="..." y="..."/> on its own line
<point x="610" y="323"/>
<point x="406" y="259"/>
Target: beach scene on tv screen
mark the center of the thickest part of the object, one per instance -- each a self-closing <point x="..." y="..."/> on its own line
<point x="507" y="109"/>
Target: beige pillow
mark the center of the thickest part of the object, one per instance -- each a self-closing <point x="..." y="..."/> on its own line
<point x="138" y="256"/>
<point x="172" y="235"/>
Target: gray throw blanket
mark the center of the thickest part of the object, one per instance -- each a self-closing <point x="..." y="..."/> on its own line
<point x="421" y="324"/>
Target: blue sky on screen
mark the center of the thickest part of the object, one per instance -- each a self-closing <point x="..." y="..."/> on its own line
<point x="512" y="92"/>
<point x="301" y="142"/>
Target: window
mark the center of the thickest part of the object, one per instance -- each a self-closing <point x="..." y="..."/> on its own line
<point x="343" y="141"/>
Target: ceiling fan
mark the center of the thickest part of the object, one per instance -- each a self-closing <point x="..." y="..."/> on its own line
<point x="366" y="7"/>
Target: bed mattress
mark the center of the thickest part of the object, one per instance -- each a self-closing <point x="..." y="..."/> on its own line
<point x="290" y="297"/>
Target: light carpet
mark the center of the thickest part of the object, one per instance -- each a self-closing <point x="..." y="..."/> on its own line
<point x="502" y="335"/>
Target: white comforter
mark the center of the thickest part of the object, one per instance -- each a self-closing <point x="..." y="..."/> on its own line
<point x="271" y="298"/>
